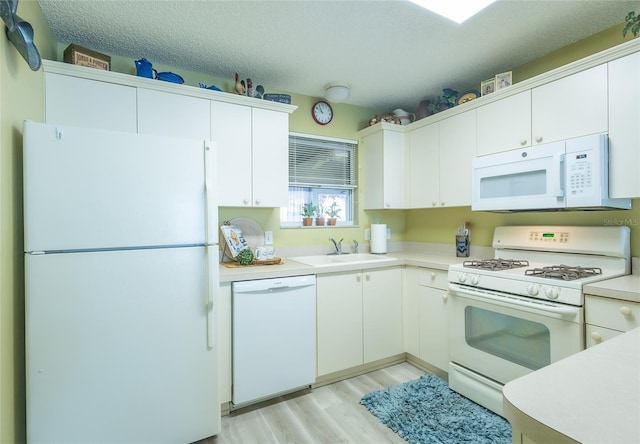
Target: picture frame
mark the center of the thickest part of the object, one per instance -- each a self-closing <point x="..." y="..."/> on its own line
<point x="234" y="238"/>
<point x="488" y="86"/>
<point x="503" y="80"/>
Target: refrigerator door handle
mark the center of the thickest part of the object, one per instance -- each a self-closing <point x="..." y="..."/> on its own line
<point x="211" y="209"/>
<point x="210" y="288"/>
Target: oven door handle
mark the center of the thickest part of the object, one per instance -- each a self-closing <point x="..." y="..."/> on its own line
<point x="507" y="300"/>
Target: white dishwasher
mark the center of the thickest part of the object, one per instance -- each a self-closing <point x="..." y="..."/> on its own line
<point x="274" y="337"/>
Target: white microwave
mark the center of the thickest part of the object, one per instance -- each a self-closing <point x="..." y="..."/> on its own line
<point x="572" y="174"/>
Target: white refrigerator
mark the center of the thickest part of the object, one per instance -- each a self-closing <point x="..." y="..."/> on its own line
<point x="121" y="264"/>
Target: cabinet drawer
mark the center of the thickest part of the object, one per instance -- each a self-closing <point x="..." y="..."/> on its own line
<point x="612" y="313"/>
<point x="429" y="277"/>
<point x="594" y="334"/>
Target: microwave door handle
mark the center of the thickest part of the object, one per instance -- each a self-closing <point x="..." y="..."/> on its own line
<point x="558" y="175"/>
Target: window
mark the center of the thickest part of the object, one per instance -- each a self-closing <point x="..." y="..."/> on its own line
<point x="321" y="171"/>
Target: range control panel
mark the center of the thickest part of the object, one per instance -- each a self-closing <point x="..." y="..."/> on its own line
<point x="549" y="236"/>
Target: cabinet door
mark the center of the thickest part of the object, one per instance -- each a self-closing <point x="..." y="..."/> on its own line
<point x="457" y="150"/>
<point x="410" y="311"/>
<point x="173" y="115"/>
<point x="231" y="131"/>
<point x="382" y="313"/>
<point x="434" y="326"/>
<point x="595" y="334"/>
<point x="339" y="312"/>
<point x="423" y="178"/>
<point x="270" y="167"/>
<point x="570" y="107"/>
<point x="624" y="126"/>
<point x="383" y="170"/>
<point x="89" y="103"/>
<point x="504" y="124"/>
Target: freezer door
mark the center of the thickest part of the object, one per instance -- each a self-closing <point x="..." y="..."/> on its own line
<point x="92" y="189"/>
<point x="117" y="347"/>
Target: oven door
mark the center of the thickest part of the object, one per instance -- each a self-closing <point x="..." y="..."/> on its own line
<point x="503" y="337"/>
<point x="525" y="179"/>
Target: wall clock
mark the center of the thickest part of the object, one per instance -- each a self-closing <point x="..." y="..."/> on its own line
<point x="322" y="112"/>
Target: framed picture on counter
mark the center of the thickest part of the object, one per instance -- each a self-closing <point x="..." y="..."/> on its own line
<point x="234" y="238"/>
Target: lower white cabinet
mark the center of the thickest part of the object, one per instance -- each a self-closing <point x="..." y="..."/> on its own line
<point x="359" y="318"/>
<point x="425" y="315"/>
<point x="606" y="318"/>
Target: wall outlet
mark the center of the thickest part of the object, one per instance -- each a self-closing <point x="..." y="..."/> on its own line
<point x="268" y="237"/>
<point x="367" y="234"/>
<point x="388" y="233"/>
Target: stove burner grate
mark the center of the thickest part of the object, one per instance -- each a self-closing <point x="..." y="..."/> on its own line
<point x="495" y="264"/>
<point x="564" y="272"/>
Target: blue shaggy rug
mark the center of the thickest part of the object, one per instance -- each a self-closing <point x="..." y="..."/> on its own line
<point x="427" y="411"/>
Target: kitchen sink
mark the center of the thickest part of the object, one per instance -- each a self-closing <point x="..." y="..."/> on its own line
<point x="328" y="260"/>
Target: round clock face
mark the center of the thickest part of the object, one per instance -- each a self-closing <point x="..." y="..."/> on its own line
<point x="322" y="113"/>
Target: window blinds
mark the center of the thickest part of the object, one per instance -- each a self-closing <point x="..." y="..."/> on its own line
<point x="315" y="162"/>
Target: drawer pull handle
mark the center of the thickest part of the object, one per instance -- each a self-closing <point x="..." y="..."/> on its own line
<point x="445" y="297"/>
<point x="596" y="336"/>
<point x="626" y="311"/>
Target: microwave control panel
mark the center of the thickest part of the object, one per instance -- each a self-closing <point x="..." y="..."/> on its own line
<point x="584" y="164"/>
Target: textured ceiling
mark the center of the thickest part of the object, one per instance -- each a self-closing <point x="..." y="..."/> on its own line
<point x="391" y="53"/>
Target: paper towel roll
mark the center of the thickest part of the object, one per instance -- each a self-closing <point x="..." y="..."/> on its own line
<point x="378" y="238"/>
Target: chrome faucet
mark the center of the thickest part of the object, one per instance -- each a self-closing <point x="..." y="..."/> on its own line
<point x="338" y="245"/>
<point x="355" y="246"/>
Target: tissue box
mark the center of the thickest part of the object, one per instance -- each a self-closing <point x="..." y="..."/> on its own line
<point x="77" y="55"/>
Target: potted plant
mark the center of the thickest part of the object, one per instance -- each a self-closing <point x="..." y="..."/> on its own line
<point x="333" y="213"/>
<point x="320" y="216"/>
<point x="308" y="210"/>
<point x="633" y="24"/>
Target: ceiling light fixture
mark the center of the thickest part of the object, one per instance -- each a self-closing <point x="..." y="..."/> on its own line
<point x="336" y="92"/>
<point x="458" y="11"/>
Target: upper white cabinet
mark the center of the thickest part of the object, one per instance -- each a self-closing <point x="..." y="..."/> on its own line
<point x="253" y="150"/>
<point x="423" y="167"/>
<point x="231" y="130"/>
<point x="174" y="115"/>
<point x="270" y="158"/>
<point x="570" y="107"/>
<point x="504" y="124"/>
<point x="252" y="136"/>
<point x="89" y="103"/>
<point x="624" y="126"/>
<point x="457" y="150"/>
<point x="383" y="176"/>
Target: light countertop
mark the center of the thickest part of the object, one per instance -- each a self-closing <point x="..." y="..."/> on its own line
<point x="625" y="287"/>
<point x="590" y="397"/>
<point x="289" y="267"/>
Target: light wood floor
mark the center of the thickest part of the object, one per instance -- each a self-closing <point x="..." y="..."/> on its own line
<point x="328" y="414"/>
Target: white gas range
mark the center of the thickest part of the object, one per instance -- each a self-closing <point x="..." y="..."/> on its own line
<point x="523" y="309"/>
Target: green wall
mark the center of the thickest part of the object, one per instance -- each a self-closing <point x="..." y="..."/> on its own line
<point x="21" y="93"/>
